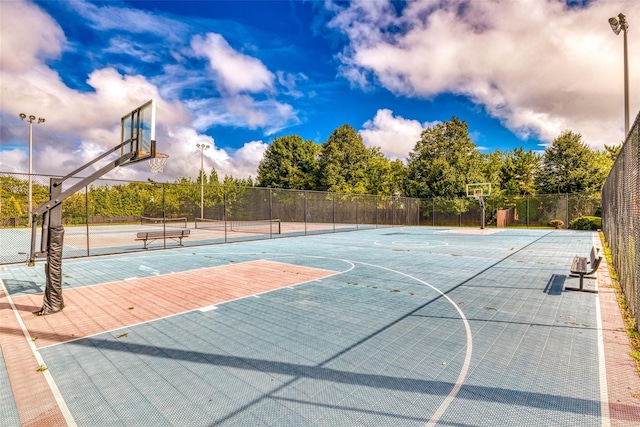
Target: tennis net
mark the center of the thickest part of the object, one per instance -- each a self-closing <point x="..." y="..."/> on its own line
<point x="169" y="222"/>
<point x="265" y="226"/>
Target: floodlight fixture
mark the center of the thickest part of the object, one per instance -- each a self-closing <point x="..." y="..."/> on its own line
<point x="618" y="23"/>
<point x="30" y="195"/>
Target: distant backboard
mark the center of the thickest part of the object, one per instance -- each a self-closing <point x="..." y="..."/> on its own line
<point x="138" y="130"/>
<point x="480" y="189"/>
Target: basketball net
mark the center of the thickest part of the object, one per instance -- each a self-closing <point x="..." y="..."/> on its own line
<point x="157" y="163"/>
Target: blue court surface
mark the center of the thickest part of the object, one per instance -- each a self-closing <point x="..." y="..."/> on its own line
<point x="419" y="326"/>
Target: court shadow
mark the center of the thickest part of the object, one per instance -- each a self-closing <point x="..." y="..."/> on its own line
<point x="321" y="372"/>
<point x="22" y="287"/>
<point x="555" y="285"/>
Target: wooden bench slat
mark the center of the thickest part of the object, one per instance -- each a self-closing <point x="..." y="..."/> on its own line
<point x="150" y="236"/>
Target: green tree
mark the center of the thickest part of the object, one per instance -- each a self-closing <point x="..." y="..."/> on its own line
<point x="443" y="161"/>
<point x="519" y="172"/>
<point x="493" y="164"/>
<point x="290" y="163"/>
<point x="343" y="162"/>
<point x="213" y="177"/>
<point x="569" y="166"/>
<point x="612" y="151"/>
<point x="230" y="181"/>
<point x="10" y="208"/>
<point x="383" y="176"/>
<point x="74" y="209"/>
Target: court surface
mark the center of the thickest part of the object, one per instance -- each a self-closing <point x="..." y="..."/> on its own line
<point x="411" y="326"/>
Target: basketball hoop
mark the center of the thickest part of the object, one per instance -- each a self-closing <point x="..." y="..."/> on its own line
<point x="157" y="163"/>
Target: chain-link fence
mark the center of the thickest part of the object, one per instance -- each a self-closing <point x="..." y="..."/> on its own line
<point x="510" y="211"/>
<point x="621" y="217"/>
<point x="111" y="216"/>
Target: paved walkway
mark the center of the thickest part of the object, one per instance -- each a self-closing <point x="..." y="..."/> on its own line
<point x="404" y="327"/>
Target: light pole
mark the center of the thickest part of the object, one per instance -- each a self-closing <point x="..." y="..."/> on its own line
<point x="202" y="147"/>
<point x="619" y="23"/>
<point x="31" y="118"/>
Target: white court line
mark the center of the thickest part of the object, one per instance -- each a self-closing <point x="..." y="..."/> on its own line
<point x="467" y="358"/>
<point x="144" y="322"/>
<point x="602" y="366"/>
<point x="66" y="413"/>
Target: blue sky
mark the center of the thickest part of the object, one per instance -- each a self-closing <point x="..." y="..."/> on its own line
<point x="236" y="74"/>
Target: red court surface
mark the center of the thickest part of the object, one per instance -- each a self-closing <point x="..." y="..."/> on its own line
<point x="623" y="379"/>
<point x="96" y="309"/>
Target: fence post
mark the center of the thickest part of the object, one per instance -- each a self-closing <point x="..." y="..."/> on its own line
<point x="164" y="217"/>
<point x="333" y="211"/>
<point x="566" y="198"/>
<point x="86" y="208"/>
<point x="306" y="211"/>
<point x="270" y="215"/>
<point x="224" y="212"/>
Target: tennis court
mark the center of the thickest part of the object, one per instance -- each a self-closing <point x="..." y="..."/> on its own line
<point x="403" y="326"/>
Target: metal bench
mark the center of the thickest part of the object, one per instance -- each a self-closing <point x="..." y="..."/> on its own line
<point x="150" y="236"/>
<point x="585" y="266"/>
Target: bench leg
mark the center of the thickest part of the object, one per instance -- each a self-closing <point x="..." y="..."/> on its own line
<point x="581" y="280"/>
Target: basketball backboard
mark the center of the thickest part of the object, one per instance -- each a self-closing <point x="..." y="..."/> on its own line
<point x="480" y="189"/>
<point x="138" y="130"/>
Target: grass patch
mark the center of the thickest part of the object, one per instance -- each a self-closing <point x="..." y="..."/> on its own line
<point x="629" y="321"/>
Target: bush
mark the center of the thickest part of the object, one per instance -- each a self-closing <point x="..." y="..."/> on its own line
<point x="586" y="223"/>
<point x="556" y="223"/>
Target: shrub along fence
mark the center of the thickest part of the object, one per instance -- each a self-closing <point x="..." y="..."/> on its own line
<point x="106" y="216"/>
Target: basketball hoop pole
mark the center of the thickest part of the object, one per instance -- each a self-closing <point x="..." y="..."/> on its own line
<point x="51" y="242"/>
<point x="481" y="200"/>
<point x="479" y="191"/>
<point x="137" y="125"/>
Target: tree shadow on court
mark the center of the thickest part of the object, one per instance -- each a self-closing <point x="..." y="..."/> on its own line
<point x="26" y="287"/>
<point x="297" y="372"/>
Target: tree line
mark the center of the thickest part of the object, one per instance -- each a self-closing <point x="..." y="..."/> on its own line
<point x="441" y="163"/>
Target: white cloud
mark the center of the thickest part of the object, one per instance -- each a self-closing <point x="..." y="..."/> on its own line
<point x="396" y="136"/>
<point x="185" y="156"/>
<point x="234" y="71"/>
<point x="28" y="36"/>
<point x="81" y="125"/>
<point x="288" y="82"/>
<point x="243" y="111"/>
<point x="539" y="66"/>
<point x="110" y="18"/>
<point x="235" y="75"/>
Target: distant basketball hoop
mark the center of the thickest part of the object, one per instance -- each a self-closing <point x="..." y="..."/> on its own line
<point x="479" y="191"/>
<point x="157" y="163"/>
